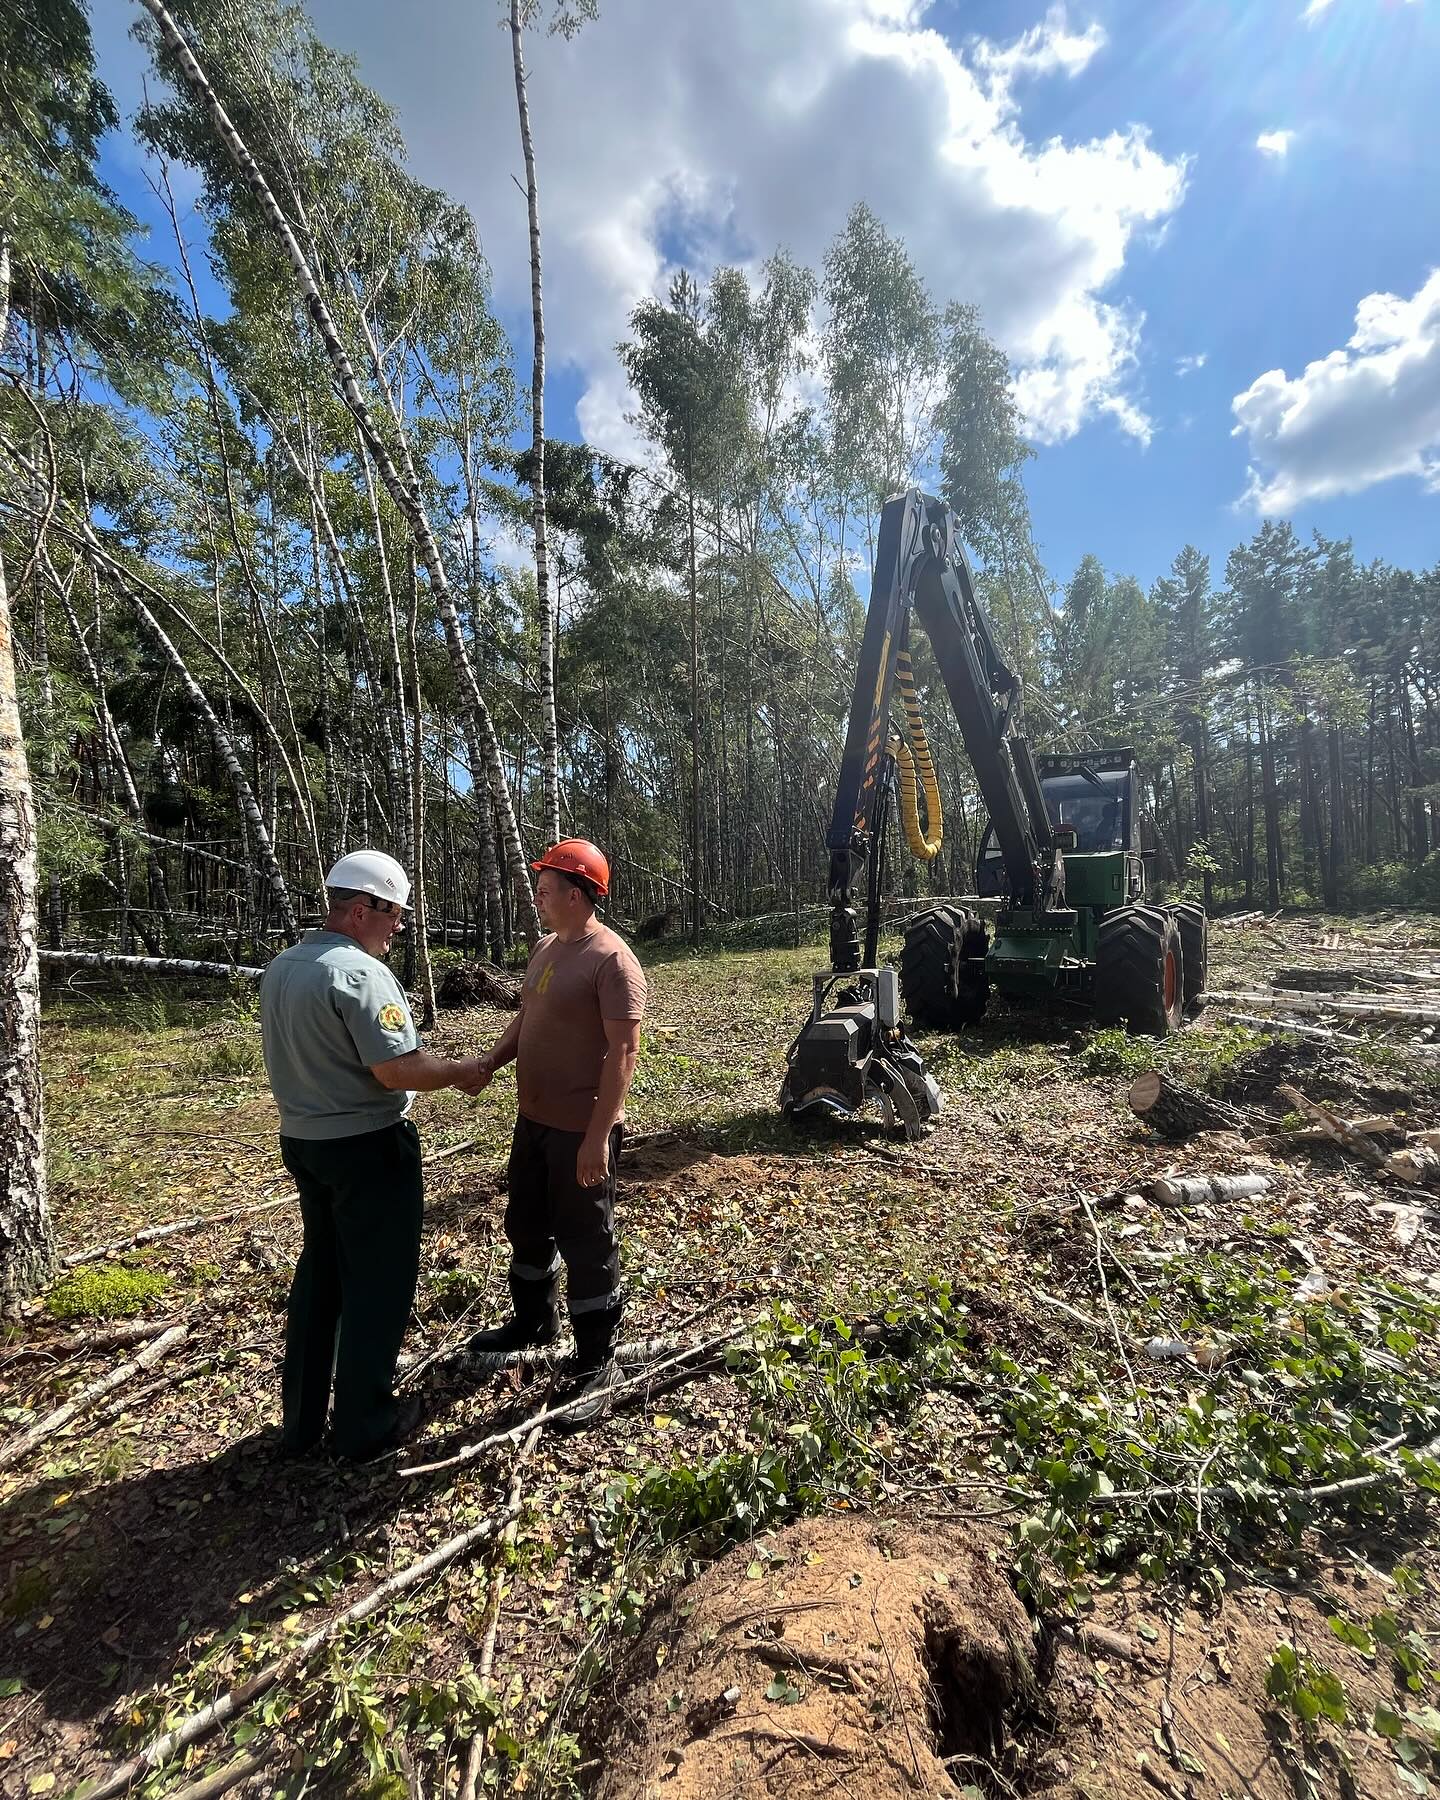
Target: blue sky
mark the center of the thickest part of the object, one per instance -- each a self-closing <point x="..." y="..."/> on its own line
<point x="1089" y="174"/>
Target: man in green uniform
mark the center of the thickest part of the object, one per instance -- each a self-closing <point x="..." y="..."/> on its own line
<point x="344" y="1063"/>
<point x="574" y="1043"/>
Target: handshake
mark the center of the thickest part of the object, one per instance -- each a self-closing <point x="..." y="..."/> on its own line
<point x="473" y="1074"/>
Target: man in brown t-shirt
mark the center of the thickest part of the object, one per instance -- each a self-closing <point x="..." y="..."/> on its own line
<point x="574" y="1041"/>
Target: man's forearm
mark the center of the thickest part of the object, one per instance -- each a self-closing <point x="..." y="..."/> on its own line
<point x="615" y="1077"/>
<point x="421" y="1071"/>
<point x="505" y="1046"/>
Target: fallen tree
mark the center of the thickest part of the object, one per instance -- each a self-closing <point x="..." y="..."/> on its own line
<point x="1177" y="1111"/>
<point x="144" y="965"/>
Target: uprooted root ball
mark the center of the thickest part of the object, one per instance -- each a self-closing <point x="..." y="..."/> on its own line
<point x="843" y="1655"/>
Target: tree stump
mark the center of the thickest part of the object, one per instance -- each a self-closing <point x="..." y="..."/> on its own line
<point x="1177" y="1111"/>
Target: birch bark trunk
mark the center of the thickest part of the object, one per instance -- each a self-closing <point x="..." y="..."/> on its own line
<point x="550" y="735"/>
<point x="481" y="741"/>
<point x="419" y="924"/>
<point x="26" y="1243"/>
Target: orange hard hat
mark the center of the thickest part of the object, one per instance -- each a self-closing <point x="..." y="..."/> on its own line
<point x="578" y="856"/>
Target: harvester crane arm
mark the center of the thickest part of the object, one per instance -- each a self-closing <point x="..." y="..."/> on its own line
<point x="921" y="571"/>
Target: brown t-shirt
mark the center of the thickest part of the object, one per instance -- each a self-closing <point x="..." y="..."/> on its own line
<point x="570" y="990"/>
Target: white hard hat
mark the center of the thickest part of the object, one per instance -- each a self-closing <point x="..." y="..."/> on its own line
<point x="371" y="872"/>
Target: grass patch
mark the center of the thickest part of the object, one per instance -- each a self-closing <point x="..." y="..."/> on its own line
<point x="112" y="1292"/>
<point x="227" y="1058"/>
<point x="1202" y="1056"/>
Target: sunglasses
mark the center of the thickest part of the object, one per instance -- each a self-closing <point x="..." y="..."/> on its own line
<point x="387" y="909"/>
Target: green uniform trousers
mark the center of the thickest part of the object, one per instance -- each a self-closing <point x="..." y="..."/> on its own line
<point x="361" y="1199"/>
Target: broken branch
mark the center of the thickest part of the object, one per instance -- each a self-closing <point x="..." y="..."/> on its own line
<point x="209" y="1718"/>
<point x="20" y="1447"/>
<point x="471" y="1451"/>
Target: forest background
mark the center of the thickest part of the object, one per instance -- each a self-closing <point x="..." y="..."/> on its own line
<point x="260" y="614"/>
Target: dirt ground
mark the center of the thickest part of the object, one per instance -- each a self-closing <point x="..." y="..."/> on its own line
<point x="154" y="1552"/>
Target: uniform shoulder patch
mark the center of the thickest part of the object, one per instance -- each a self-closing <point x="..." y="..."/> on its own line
<point x="391" y="1017"/>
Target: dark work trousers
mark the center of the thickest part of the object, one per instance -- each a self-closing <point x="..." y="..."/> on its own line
<point x="361" y="1200"/>
<point x="550" y="1217"/>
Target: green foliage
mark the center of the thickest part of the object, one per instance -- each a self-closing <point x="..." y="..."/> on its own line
<point x="1115" y="1052"/>
<point x="453" y="1291"/>
<point x="1306" y="1688"/>
<point x="1301" y="1402"/>
<point x="817" y="1390"/>
<point x="110" y="1291"/>
<point x="1203" y="1056"/>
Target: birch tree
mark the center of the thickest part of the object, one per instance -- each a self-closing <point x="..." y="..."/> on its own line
<point x="404" y="489"/>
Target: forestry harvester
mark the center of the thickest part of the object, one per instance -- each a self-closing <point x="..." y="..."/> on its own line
<point x="1061" y="850"/>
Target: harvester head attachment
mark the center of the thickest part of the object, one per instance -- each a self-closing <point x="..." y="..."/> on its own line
<point x="851" y="1051"/>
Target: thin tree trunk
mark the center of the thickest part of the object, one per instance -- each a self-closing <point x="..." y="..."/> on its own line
<point x="1336" y="862"/>
<point x="418" y="925"/>
<point x="482" y="743"/>
<point x="696" y="919"/>
<point x="26" y="1243"/>
<point x="117" y="761"/>
<point x="550" y="736"/>
<point x="244" y="795"/>
<point x="1270" y="799"/>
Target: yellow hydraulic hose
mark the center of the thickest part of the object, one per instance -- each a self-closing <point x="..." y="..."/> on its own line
<point x="916" y="770"/>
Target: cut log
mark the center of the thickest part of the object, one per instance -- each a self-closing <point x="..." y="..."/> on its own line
<point x="1392" y="1012"/>
<point x="1377" y="1125"/>
<point x="153" y="1234"/>
<point x="145" y="965"/>
<point x="1339" y="1130"/>
<point x="697" y="1356"/>
<point x="1194" y="1190"/>
<point x="550" y="1356"/>
<point x="1177" y="1111"/>
<point x="1336" y="978"/>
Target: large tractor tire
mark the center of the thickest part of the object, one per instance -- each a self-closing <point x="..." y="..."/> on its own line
<point x="942" y="969"/>
<point x="1194" y="927"/>
<point x="1140" y="971"/>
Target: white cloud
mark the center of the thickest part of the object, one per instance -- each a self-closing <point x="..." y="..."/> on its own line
<point x="1190" y="365"/>
<point x="1045" y="49"/>
<point x="1275" y="143"/>
<point x="1357" y="416"/>
<point x="670" y="133"/>
<point x="1315" y="8"/>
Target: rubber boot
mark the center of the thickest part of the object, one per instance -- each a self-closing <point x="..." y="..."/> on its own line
<point x="596" y="1370"/>
<point x="536" y="1320"/>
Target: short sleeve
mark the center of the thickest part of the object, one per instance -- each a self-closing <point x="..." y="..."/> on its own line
<point x="375" y="1014"/>
<point x="621" y="987"/>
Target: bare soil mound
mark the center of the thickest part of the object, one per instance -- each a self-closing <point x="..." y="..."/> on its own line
<point x="844" y="1655"/>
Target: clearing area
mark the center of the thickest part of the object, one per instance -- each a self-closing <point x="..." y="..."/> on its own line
<point x="982" y="1466"/>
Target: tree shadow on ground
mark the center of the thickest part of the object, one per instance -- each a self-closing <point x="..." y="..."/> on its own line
<point x="109" y="1588"/>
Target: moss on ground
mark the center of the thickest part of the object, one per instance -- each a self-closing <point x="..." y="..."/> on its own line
<point x="113" y="1291"/>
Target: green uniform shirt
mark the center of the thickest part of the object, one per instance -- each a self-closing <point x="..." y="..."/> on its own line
<point x="328" y="1012"/>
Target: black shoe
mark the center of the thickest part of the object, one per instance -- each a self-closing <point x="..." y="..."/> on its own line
<point x="514" y="1334"/>
<point x="593" y="1397"/>
<point x="408" y="1420"/>
<point x="536" y="1321"/>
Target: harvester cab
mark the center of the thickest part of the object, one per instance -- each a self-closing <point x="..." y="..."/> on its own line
<point x="1061" y="852"/>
